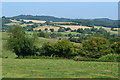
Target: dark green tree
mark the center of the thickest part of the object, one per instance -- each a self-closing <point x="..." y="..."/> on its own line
<point x="52" y="30"/>
<point x="20" y="43"/>
<point x="96" y="47"/>
<point x="116" y="47"/>
<point x="46" y="29"/>
<point x="61" y="29"/>
<point x="63" y="48"/>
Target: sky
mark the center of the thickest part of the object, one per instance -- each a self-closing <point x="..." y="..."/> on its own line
<point x="80" y="10"/>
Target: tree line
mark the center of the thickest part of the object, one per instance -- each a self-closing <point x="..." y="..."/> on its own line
<point x="93" y="47"/>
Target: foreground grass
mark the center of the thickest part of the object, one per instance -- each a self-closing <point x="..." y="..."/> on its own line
<point x="62" y="68"/>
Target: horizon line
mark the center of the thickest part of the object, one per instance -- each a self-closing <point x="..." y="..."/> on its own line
<point x="60" y="17"/>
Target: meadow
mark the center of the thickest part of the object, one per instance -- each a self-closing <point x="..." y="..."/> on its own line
<point x="61" y="68"/>
<point x="53" y="68"/>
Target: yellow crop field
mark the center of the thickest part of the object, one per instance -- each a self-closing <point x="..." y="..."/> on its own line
<point x="62" y="22"/>
<point x="24" y="25"/>
<point x="9" y="24"/>
<point x="35" y="21"/>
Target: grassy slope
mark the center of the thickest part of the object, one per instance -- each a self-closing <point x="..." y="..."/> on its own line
<point x="48" y="68"/>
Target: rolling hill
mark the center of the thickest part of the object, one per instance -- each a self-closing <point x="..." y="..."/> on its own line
<point x="85" y="22"/>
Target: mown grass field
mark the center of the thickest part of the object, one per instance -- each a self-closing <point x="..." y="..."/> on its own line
<point x="49" y="68"/>
<point x="53" y="68"/>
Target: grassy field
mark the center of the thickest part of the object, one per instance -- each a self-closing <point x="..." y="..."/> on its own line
<point x="49" y="68"/>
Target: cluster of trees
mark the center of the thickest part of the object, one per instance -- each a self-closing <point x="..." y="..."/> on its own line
<point x="93" y="47"/>
<point x="49" y="35"/>
<point x="30" y="27"/>
<point x="98" y="22"/>
<point x="5" y="20"/>
<point x="80" y="38"/>
<point x="62" y="48"/>
<point x="85" y="31"/>
<point x="91" y="30"/>
<point x="46" y="29"/>
<point x="63" y="29"/>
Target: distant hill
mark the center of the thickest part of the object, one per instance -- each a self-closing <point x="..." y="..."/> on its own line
<point x="85" y="22"/>
<point x="43" y="18"/>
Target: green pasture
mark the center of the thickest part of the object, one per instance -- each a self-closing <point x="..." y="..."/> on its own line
<point x="61" y="68"/>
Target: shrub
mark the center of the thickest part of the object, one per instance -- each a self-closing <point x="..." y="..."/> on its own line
<point x="116" y="47"/>
<point x="110" y="58"/>
<point x="77" y="48"/>
<point x="96" y="47"/>
<point x="63" y="48"/>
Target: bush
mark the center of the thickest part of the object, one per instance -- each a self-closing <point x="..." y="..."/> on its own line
<point x="116" y="47"/>
<point x="63" y="48"/>
<point x="110" y="58"/>
<point x="77" y="48"/>
<point x="96" y="47"/>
